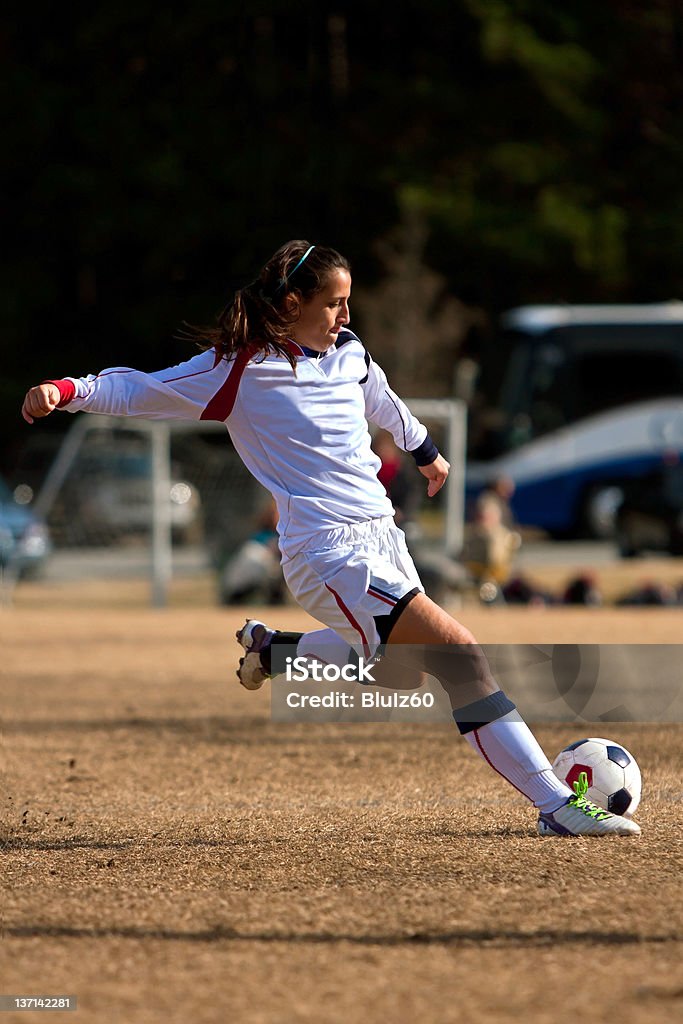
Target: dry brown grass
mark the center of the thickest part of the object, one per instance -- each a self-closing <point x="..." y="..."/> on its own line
<point x="170" y="854"/>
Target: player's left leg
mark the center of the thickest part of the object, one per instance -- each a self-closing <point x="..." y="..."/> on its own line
<point x="430" y="638"/>
<point x="426" y="636"/>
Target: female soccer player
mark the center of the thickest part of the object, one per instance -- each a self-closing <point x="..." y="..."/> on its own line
<point x="296" y="389"/>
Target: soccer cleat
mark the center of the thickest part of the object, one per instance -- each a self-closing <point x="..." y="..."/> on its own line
<point x="580" y="817"/>
<point x="255" y="637"/>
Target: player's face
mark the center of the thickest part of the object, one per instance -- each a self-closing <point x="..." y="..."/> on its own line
<point x="322" y="317"/>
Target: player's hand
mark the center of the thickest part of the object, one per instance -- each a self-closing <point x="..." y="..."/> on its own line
<point x="40" y="401"/>
<point x="437" y="474"/>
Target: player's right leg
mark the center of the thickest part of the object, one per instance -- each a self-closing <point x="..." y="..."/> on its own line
<point x="366" y="600"/>
<point x="258" y="640"/>
<point x="349" y="587"/>
<point x="322" y="646"/>
<point x="503" y="740"/>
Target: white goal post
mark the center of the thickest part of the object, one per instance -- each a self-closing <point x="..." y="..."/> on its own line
<point x="452" y="414"/>
<point x="449" y="415"/>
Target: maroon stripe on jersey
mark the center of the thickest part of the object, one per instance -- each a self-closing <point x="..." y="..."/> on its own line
<point x="294" y="347"/>
<point x="356" y="625"/>
<point x="195" y="373"/>
<point x="220" y="406"/>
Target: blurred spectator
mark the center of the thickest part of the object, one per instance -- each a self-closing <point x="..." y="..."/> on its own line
<point x="650" y="593"/>
<point x="254" y="573"/>
<point x="402" y="484"/>
<point x="502" y="488"/>
<point x="490" y="545"/>
<point x="584" y="590"/>
<point x="441" y="575"/>
<point x="520" y="590"/>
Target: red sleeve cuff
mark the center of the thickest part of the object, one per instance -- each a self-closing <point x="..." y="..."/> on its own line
<point x="67" y="390"/>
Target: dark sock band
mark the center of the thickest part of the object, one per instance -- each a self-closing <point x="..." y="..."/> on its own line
<point x="482" y="712"/>
<point x="281" y="637"/>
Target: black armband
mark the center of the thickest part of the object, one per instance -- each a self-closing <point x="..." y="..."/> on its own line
<point x="426" y="453"/>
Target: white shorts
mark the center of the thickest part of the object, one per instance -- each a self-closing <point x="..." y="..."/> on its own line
<point x="357" y="581"/>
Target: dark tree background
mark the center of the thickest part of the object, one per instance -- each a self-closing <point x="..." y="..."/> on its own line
<point x="467" y="155"/>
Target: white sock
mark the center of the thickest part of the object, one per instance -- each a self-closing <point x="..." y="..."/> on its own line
<point x="512" y="750"/>
<point x="324" y="645"/>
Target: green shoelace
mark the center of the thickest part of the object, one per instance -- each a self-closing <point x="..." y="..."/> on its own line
<point x="579" y="800"/>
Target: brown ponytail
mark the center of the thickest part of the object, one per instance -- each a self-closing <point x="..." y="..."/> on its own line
<point x="259" y="316"/>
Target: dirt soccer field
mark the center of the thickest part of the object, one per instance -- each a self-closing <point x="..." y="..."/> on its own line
<point x="170" y="854"/>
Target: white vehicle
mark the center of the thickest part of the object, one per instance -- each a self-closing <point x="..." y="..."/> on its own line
<point x="114" y="499"/>
<point x="589" y="397"/>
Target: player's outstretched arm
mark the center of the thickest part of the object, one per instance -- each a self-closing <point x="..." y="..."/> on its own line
<point x="437" y="474"/>
<point x="40" y="401"/>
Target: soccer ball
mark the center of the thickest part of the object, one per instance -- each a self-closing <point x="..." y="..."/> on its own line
<point x="614" y="781"/>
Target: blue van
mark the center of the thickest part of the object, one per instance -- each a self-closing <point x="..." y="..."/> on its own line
<point x="586" y="399"/>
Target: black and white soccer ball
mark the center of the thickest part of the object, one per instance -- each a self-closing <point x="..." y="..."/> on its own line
<point x="614" y="780"/>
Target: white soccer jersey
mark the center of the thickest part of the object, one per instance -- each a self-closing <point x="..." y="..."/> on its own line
<point x="303" y="435"/>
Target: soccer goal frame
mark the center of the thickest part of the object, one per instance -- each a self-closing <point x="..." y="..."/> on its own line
<point x="449" y="414"/>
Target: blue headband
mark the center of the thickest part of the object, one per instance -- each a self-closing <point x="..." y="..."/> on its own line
<point x="291" y="274"/>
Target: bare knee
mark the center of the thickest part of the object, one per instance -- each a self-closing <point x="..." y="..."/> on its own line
<point x="429" y="639"/>
<point x="396" y="675"/>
